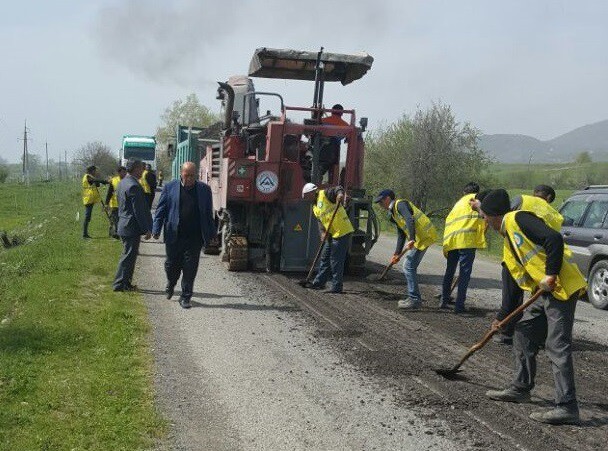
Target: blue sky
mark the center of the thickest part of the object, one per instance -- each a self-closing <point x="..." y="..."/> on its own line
<point x="86" y="71"/>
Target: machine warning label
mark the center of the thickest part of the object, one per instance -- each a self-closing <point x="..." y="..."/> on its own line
<point x="297" y="228"/>
<point x="267" y="182"/>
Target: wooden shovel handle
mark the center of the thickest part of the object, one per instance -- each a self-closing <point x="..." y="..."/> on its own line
<point x="314" y="262"/>
<point x="477" y="346"/>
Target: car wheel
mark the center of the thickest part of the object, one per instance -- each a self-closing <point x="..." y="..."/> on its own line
<point x="598" y="285"/>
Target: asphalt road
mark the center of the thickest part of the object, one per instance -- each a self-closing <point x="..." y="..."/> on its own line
<point x="260" y="363"/>
<point x="484" y="288"/>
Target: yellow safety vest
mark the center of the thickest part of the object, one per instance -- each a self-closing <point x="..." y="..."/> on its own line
<point x="426" y="234"/>
<point x="464" y="227"/>
<point x="90" y="193"/>
<point x="541" y="208"/>
<point x="324" y="209"/>
<point x="114" y="200"/>
<point x="529" y="273"/>
<point x="144" y="183"/>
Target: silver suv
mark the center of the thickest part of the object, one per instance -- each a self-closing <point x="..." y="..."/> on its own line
<point x="585" y="230"/>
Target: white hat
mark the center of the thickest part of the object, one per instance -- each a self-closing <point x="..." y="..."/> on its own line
<point x="309" y="188"/>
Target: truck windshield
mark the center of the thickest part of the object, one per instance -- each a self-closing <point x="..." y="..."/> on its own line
<point x="139" y="153"/>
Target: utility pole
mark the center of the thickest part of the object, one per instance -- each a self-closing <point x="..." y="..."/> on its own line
<point x="26" y="169"/>
<point x="67" y="172"/>
<point x="46" y="149"/>
<point x="59" y="166"/>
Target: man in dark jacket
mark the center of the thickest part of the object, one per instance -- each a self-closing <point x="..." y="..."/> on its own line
<point x="185" y="213"/>
<point x="134" y="220"/>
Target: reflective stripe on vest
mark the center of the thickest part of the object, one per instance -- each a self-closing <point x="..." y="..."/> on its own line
<point x="114" y="200"/>
<point x="90" y="193"/>
<point x="543" y="210"/>
<point x="324" y="210"/>
<point x="464" y="227"/>
<point x="426" y="234"/>
<point x="527" y="265"/>
<point x="144" y="183"/>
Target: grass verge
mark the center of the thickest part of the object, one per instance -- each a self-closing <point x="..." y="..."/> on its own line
<point x="75" y="366"/>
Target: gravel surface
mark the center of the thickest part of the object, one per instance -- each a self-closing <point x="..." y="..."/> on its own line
<point x="260" y="363"/>
<point x="245" y="368"/>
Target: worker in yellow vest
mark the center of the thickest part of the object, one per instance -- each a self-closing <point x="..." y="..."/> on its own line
<point x="90" y="196"/>
<point x="416" y="233"/>
<point x="536" y="257"/>
<point x="338" y="231"/>
<point x="538" y="204"/>
<point x="463" y="234"/>
<point x="112" y="200"/>
<point x="148" y="183"/>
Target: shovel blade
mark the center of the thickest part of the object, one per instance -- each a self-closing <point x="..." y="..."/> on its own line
<point x="448" y="373"/>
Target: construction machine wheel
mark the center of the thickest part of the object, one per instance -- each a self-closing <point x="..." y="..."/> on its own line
<point x="237" y="253"/>
<point x="355" y="264"/>
<point x="213" y="248"/>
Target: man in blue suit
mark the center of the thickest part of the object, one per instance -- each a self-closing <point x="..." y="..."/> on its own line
<point x="185" y="213"/>
<point x="134" y="220"/>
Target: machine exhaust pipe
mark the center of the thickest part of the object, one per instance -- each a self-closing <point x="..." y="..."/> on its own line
<point x="229" y="105"/>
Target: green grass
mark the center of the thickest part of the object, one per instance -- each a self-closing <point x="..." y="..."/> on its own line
<point x="75" y="366"/>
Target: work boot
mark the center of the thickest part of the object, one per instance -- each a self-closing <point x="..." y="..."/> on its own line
<point x="87" y="236"/>
<point x="562" y="414"/>
<point x="509" y="394"/>
<point x="185" y="303"/>
<point x="408" y="304"/>
<point x="333" y="291"/>
<point x="444" y="305"/>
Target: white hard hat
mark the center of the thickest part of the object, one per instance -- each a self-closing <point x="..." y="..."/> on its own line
<point x="309" y="188"/>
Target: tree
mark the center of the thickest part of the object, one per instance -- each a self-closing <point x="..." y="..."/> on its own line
<point x="429" y="157"/>
<point x="4" y="170"/>
<point x="189" y="112"/>
<point x="583" y="158"/>
<point x="98" y="154"/>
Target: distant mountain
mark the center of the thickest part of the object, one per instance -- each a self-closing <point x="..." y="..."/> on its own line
<point x="520" y="148"/>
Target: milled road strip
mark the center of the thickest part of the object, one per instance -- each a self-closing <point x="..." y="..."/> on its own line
<point x="241" y="370"/>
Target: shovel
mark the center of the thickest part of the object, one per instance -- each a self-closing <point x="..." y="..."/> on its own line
<point x="454" y="283"/>
<point x="390" y="265"/>
<point x="306" y="281"/>
<point x="103" y="205"/>
<point x="450" y="373"/>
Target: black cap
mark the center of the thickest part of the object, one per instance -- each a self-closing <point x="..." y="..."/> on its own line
<point x="482" y="194"/>
<point x="91" y="168"/>
<point x="496" y="203"/>
<point x="385" y="193"/>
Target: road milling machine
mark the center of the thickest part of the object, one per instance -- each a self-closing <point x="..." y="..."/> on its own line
<point x="261" y="161"/>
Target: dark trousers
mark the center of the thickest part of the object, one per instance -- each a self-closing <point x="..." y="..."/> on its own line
<point x="88" y="211"/>
<point x="150" y="199"/>
<point x="548" y="321"/>
<point x="113" y="222"/>
<point x="512" y="297"/>
<point x="463" y="258"/>
<point x="333" y="258"/>
<point x="126" y="264"/>
<point x="182" y="258"/>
